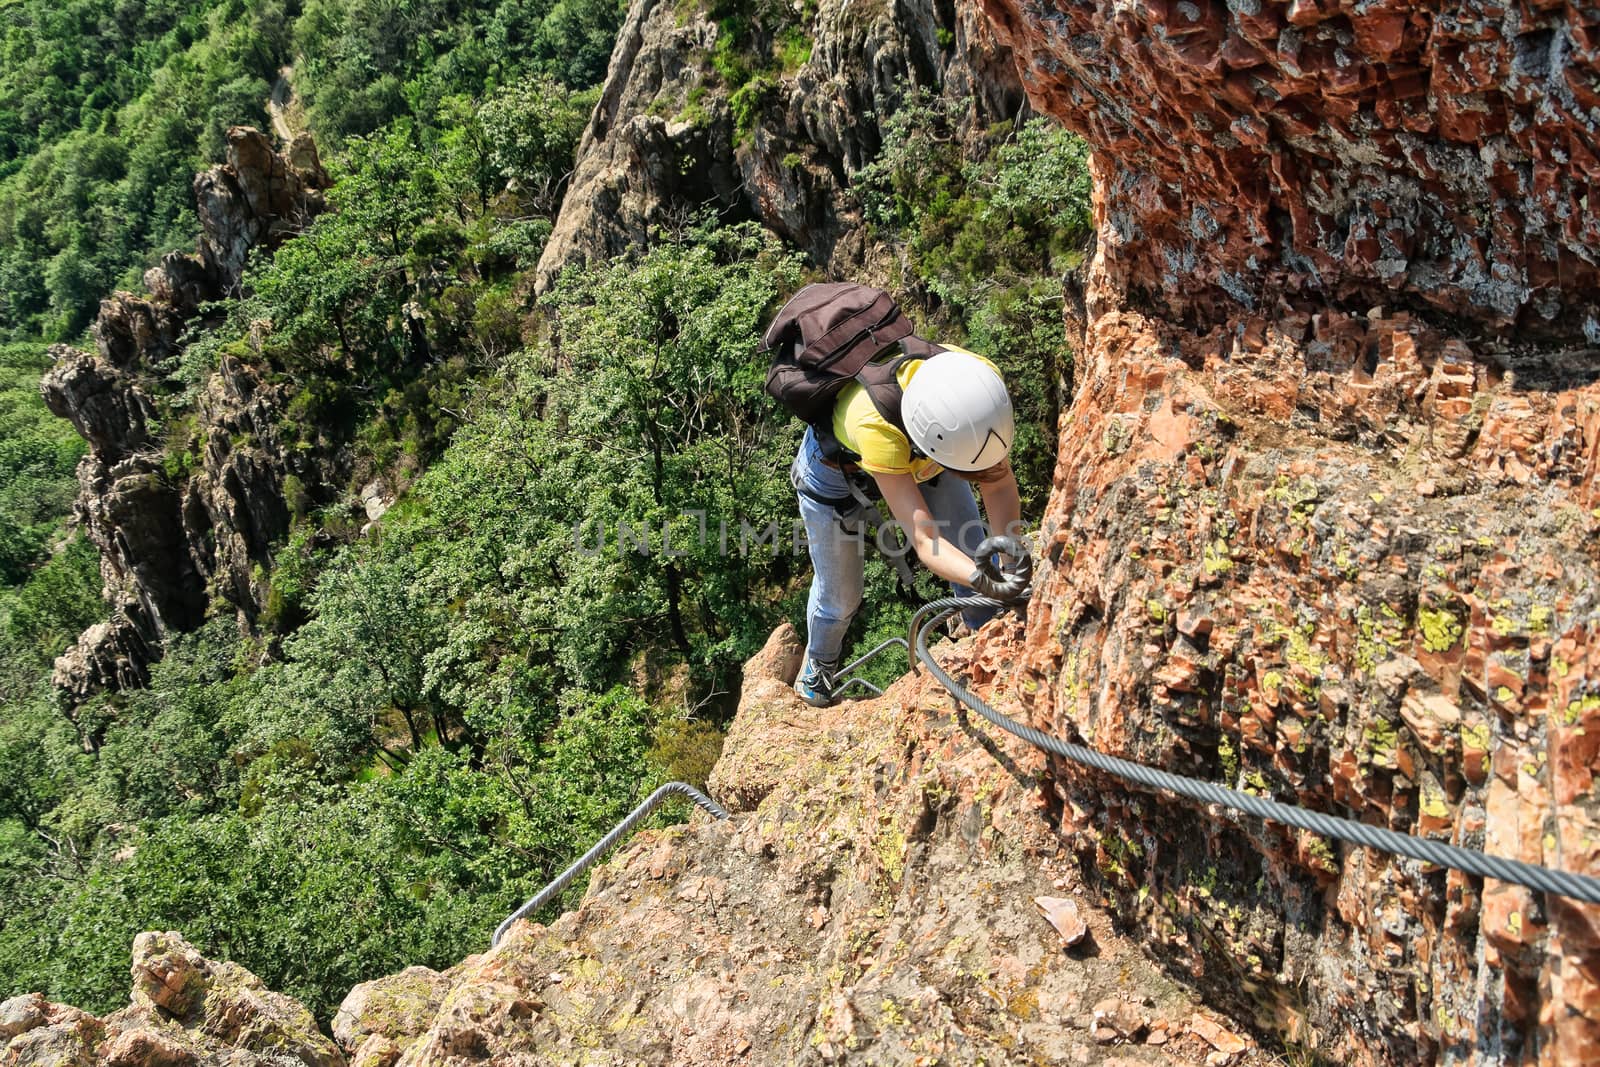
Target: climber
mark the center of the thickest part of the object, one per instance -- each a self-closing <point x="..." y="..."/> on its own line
<point x="894" y="416"/>
<point x="957" y="432"/>
<point x="890" y="415"/>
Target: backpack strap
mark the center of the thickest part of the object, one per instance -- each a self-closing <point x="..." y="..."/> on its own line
<point x="917" y="348"/>
<point x="882" y="383"/>
<point x="833" y="449"/>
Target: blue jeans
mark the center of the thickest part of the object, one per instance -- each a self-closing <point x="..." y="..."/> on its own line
<point x="838" y="546"/>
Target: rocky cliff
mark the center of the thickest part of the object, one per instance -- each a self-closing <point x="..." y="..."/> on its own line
<point x="173" y="542"/>
<point x="1325" y="525"/>
<point x="672" y="136"/>
<point x="1325" y="517"/>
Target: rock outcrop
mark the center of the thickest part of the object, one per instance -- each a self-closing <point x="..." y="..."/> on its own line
<point x="186" y="1011"/>
<point x="665" y="141"/>
<point x="171" y="541"/>
<point x="1440" y="158"/>
<point x="1327" y="503"/>
<point x="257" y="201"/>
<point x="871" y="901"/>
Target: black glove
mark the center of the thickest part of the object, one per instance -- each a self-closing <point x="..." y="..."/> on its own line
<point x="1006" y="583"/>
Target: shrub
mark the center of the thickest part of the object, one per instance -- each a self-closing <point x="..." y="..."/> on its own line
<point x="686" y="750"/>
<point x="749" y="101"/>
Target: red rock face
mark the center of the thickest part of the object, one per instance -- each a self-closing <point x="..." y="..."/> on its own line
<point x="1438" y="156"/>
<point x="1366" y="588"/>
<point x="1326" y="520"/>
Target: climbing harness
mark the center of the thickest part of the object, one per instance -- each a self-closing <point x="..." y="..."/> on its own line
<point x="930" y="615"/>
<point x="858" y="516"/>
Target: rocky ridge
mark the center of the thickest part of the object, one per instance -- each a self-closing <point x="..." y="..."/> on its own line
<point x="875" y="898"/>
<point x="872" y="900"/>
<point x="666" y="141"/>
<point x="172" y="543"/>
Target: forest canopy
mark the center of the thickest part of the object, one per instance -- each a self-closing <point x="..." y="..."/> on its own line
<point x="109" y="107"/>
<point x="432" y="713"/>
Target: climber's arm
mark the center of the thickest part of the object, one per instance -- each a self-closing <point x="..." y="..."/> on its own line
<point x="1001" y="501"/>
<point x="939" y="554"/>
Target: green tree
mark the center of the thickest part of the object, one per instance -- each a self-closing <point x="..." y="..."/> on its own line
<point x="367" y="643"/>
<point x="988" y="235"/>
<point x="532" y="129"/>
<point x="38" y="454"/>
<point x="347" y="278"/>
<point x="666" y="350"/>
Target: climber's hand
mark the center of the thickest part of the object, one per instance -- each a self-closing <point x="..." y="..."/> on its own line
<point x="986" y="581"/>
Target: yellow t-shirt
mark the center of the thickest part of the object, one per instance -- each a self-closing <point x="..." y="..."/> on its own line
<point x="882" y="448"/>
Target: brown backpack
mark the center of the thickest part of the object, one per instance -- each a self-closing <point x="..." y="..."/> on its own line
<point x="826" y="337"/>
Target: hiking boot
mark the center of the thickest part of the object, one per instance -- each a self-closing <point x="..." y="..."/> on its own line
<point x="816" y="683"/>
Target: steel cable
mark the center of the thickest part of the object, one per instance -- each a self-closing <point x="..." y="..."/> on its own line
<point x="1565" y="883"/>
<point x="621" y="830"/>
<point x="1577" y="886"/>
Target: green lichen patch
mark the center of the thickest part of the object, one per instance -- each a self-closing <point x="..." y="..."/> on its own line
<point x="890" y="848"/>
<point x="1377" y="635"/>
<point x="1577" y="709"/>
<point x="1380" y="740"/>
<point x="1432" y="802"/>
<point x="1298" y="497"/>
<point x="1475" y="736"/>
<point x="1321" y="853"/>
<point x="1228" y="757"/>
<point x="1440" y="629"/>
<point x="1216" y="559"/>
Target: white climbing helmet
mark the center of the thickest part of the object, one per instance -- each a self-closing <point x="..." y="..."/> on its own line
<point x="958" y="412"/>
